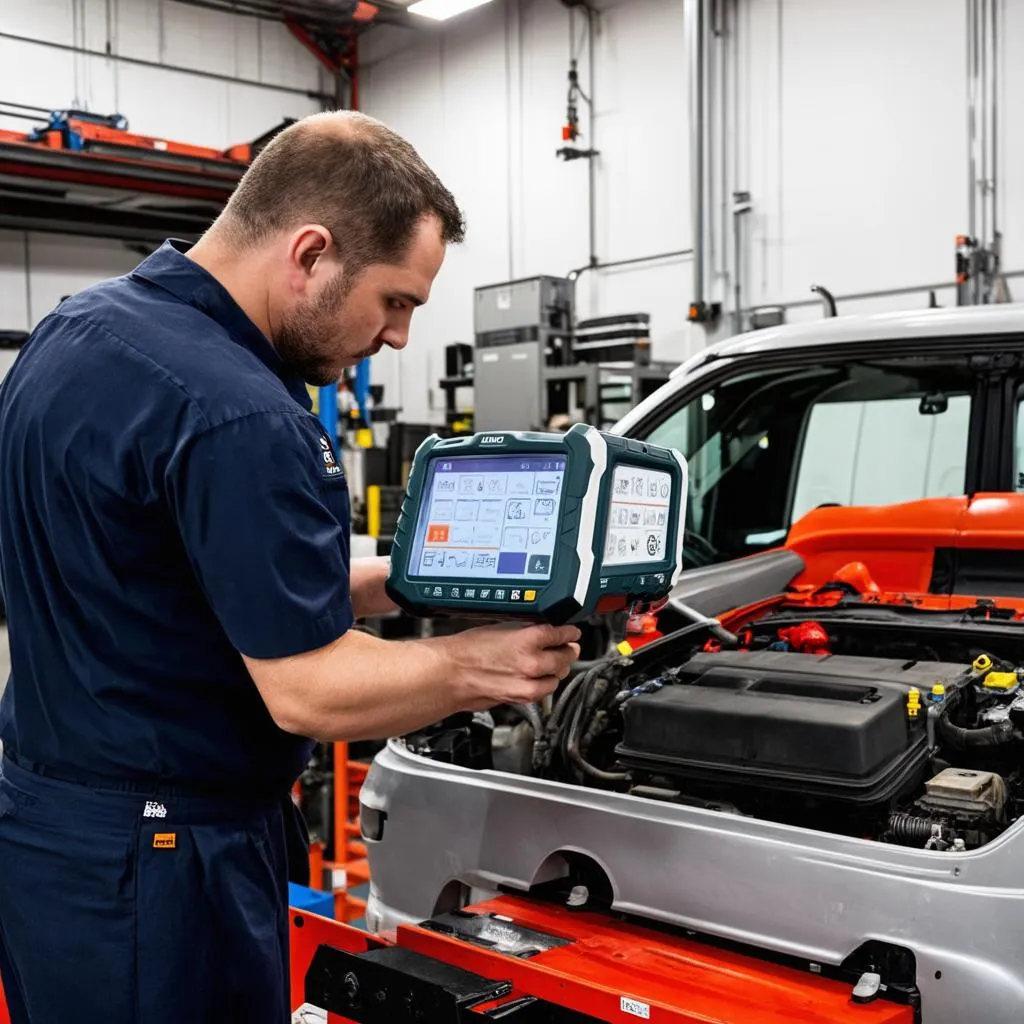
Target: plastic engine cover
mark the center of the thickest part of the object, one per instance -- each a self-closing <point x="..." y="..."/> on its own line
<point x="835" y="726"/>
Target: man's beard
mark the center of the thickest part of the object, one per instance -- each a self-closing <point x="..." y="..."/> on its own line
<point x="310" y="340"/>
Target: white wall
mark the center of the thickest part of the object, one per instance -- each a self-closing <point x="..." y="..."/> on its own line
<point x="854" y="145"/>
<point x="35" y="269"/>
<point x="484" y="101"/>
<point x="847" y="124"/>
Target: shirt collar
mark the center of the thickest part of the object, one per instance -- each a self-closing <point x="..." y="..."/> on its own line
<point x="169" y="268"/>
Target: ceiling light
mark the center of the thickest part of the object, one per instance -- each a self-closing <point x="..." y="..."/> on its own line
<point x="441" y="10"/>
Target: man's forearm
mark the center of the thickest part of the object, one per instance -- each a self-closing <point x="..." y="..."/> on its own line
<point x="366" y="584"/>
<point x="361" y="687"/>
<point x="388" y="688"/>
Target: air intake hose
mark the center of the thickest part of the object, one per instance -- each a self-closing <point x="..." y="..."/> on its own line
<point x="995" y="735"/>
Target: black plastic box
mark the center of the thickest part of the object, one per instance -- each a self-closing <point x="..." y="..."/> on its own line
<point x="825" y="726"/>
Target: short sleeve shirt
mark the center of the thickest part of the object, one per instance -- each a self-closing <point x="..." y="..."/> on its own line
<point x="168" y="502"/>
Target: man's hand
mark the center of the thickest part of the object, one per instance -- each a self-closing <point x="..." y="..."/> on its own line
<point x="366" y="584"/>
<point x="511" y="664"/>
<point x="360" y="687"/>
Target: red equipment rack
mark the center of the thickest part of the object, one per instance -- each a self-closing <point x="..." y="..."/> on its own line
<point x="590" y="967"/>
<point x="83" y="177"/>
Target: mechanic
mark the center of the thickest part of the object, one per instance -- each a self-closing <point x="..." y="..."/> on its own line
<point x="174" y="555"/>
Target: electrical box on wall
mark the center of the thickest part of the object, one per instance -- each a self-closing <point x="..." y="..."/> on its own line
<point x="704" y="312"/>
<point x="520" y="328"/>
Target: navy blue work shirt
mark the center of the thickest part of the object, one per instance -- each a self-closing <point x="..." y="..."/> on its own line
<point x="167" y="500"/>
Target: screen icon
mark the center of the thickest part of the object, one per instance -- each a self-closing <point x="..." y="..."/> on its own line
<point x="539" y="564"/>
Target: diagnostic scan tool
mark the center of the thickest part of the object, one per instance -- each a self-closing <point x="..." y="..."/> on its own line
<point x="542" y="527"/>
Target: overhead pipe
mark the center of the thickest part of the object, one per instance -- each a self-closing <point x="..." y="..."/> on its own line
<point x="741" y="206"/>
<point x="981" y="278"/>
<point x="574" y="275"/>
<point x="592" y="162"/>
<point x="972" y="106"/>
<point x="696" y="10"/>
<point x="828" y="300"/>
<point x="312" y="94"/>
<point x="885" y="293"/>
<point x="572" y="152"/>
<point x="982" y="57"/>
<point x="326" y="17"/>
<point x="995" y="124"/>
<point x="993" y="282"/>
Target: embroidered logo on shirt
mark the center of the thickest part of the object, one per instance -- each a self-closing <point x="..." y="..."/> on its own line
<point x="154" y="810"/>
<point x="331" y="467"/>
<point x="165" y="840"/>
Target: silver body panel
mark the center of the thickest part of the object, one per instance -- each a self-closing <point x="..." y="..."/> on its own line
<point x="787" y="890"/>
<point x="783" y="889"/>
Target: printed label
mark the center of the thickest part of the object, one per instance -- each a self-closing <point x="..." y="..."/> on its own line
<point x="165" y="840"/>
<point x="635" y="1008"/>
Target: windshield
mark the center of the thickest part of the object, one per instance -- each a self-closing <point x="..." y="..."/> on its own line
<point x="767" y="446"/>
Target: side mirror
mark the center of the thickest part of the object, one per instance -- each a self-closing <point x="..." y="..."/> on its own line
<point x="933" y="403"/>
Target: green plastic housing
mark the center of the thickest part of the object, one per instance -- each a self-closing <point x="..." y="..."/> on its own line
<point x="581" y="583"/>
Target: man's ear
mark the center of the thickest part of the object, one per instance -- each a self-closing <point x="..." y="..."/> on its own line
<point x="309" y="245"/>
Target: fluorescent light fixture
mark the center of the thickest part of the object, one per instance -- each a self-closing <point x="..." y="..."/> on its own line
<point x="442" y="10"/>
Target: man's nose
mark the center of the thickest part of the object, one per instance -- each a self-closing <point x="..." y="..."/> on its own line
<point x="395" y="337"/>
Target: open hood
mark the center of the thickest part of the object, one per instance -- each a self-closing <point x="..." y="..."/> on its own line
<point x="939" y="554"/>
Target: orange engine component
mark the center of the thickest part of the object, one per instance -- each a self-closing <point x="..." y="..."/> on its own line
<point x="807" y="638"/>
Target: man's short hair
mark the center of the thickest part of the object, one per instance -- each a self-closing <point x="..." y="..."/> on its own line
<point x="363" y="182"/>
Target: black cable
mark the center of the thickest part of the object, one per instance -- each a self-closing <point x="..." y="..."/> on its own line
<point x="588" y="704"/>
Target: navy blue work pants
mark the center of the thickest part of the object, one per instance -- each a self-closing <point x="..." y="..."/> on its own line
<point x="126" y="908"/>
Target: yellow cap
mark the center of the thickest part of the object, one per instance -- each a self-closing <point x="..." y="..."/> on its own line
<point x="938" y="690"/>
<point x="913" y="702"/>
<point x="1000" y="680"/>
<point x="982" y="663"/>
<point x="624" y="648"/>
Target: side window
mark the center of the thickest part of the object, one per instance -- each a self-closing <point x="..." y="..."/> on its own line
<point x="881" y="452"/>
<point x="766" y="447"/>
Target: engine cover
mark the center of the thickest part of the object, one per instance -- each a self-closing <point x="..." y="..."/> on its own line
<point x="833" y="727"/>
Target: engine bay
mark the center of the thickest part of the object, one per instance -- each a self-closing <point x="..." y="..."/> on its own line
<point x="905" y="731"/>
